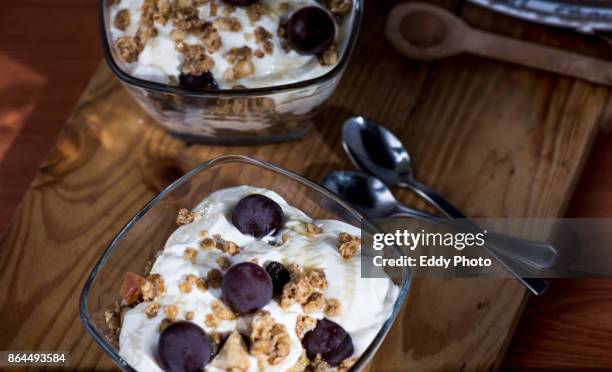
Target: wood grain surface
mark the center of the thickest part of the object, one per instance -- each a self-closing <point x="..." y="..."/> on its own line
<point x="498" y="140"/>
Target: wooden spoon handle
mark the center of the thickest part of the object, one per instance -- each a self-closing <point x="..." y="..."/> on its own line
<point x="539" y="56"/>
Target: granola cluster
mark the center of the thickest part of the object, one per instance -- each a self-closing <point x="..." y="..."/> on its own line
<point x="269" y="340"/>
<point x="213" y="278"/>
<point x="113" y="319"/>
<point x="185" y="216"/>
<point x="264" y="39"/>
<point x="320" y="365"/>
<point x="191" y="281"/>
<point x="242" y="66"/>
<point x="307" y="287"/>
<point x="219" y="312"/>
<point x="329" y="57"/>
<point x="222" y="312"/>
<point x="153" y="287"/>
<point x="348" y="245"/>
<point x="195" y="60"/>
<point x="216" y="242"/>
<point x="122" y="19"/>
<point x="304" y="324"/>
<point x="339" y="7"/>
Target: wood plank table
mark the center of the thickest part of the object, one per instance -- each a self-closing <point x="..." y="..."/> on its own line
<point x="79" y="199"/>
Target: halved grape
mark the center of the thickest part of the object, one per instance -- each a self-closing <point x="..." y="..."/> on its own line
<point x="311" y="30"/>
<point x="246" y="288"/>
<point x="183" y="346"/>
<point x="329" y="340"/>
<point x="257" y="215"/>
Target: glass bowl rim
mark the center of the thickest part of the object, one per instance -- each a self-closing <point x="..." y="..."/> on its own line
<point x="110" y="351"/>
<point x="170" y="89"/>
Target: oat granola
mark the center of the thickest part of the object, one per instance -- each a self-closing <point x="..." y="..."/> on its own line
<point x="315" y="303"/>
<point x="333" y="307"/>
<point x="348" y="245"/>
<point x="195" y="60"/>
<point x="298" y="290"/>
<point x="185" y="216"/>
<point x="223" y="262"/>
<point x="230" y="248"/>
<point x="269" y="340"/>
<point x="213" y="278"/>
<point x="190" y="254"/>
<point x="222" y="312"/>
<point x="122" y="19"/>
<point x="153" y="287"/>
<point x="189" y="315"/>
<point x="304" y="324"/>
<point x="171" y="311"/>
<point x="208" y="244"/>
<point x="211" y="321"/>
<point x="152" y="310"/>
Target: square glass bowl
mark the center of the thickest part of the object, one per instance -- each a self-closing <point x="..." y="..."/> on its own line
<point x="234" y="116"/>
<point x="145" y="235"/>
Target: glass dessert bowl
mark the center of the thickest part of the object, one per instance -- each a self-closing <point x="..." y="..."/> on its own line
<point x="215" y="72"/>
<point x="211" y="245"/>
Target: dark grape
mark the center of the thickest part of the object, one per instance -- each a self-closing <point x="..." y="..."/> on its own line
<point x="183" y="346"/>
<point x="329" y="340"/>
<point x="311" y="30"/>
<point x="240" y="2"/>
<point x="279" y="274"/>
<point x="246" y="288"/>
<point x="202" y="82"/>
<point x="257" y="215"/>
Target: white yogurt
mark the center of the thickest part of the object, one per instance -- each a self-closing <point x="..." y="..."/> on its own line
<point x="366" y="302"/>
<point x="160" y="62"/>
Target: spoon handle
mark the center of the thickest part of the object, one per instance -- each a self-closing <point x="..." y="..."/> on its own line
<point x="533" y="254"/>
<point x="537" y="286"/>
<point x="538" y="56"/>
<point x="433" y="197"/>
<point x="537" y="255"/>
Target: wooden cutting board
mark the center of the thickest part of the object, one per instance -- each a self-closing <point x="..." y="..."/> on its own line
<point x="498" y="140"/>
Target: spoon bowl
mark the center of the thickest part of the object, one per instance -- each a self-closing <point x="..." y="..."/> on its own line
<point x="368" y="194"/>
<point x="376" y="150"/>
<point x="422" y="31"/>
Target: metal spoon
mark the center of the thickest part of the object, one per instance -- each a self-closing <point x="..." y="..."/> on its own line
<point x="374" y="199"/>
<point x="374" y="149"/>
<point x="369" y="195"/>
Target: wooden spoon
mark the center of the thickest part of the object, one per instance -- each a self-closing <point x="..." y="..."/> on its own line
<point x="422" y="31"/>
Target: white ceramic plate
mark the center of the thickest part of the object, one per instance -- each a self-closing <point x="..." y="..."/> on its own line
<point x="583" y="15"/>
